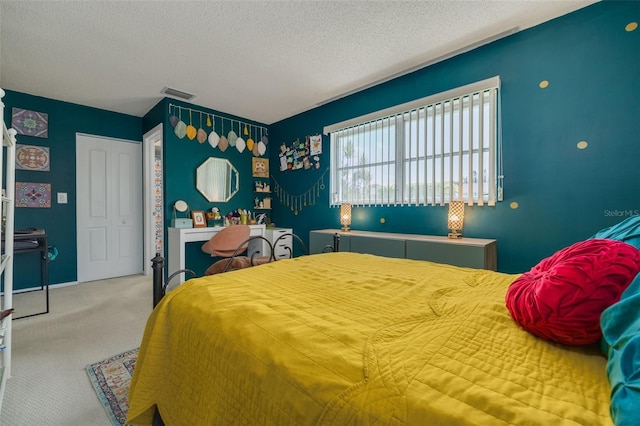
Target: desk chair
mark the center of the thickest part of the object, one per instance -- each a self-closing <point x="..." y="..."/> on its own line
<point x="230" y="243"/>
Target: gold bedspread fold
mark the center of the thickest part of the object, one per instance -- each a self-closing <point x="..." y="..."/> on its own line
<point x="345" y="338"/>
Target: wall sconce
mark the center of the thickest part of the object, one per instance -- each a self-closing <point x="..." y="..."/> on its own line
<point x="345" y="216"/>
<point x="455" y="218"/>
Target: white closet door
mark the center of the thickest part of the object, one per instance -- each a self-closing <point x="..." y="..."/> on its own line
<point x="109" y="207"/>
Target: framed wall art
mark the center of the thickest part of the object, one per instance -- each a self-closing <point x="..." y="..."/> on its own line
<point x="34" y="158"/>
<point x="260" y="167"/>
<point x="30" y="123"/>
<point x="33" y="194"/>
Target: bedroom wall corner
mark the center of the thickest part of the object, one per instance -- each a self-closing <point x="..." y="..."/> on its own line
<point x="64" y="121"/>
<point x="570" y="145"/>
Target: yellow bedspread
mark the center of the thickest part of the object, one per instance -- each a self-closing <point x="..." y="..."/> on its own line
<point x="345" y="338"/>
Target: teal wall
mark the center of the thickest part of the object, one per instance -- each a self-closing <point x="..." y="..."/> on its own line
<point x="65" y="120"/>
<point x="564" y="194"/>
<point x="183" y="156"/>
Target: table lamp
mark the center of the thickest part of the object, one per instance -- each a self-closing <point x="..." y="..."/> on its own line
<point x="345" y="216"/>
<point x="455" y="218"/>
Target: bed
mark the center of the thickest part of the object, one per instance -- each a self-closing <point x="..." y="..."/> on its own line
<point x="346" y="338"/>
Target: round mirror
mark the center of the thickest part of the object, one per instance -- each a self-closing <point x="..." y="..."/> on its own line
<point x="181" y="206"/>
<point x="217" y="179"/>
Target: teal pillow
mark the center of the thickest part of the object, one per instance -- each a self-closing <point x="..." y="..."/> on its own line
<point x="627" y="231"/>
<point x="620" y="325"/>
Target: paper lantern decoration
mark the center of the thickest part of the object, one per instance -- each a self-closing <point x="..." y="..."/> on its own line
<point x="223" y="144"/>
<point x="240" y="145"/>
<point x="214" y="139"/>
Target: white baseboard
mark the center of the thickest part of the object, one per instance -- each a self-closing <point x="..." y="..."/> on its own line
<point x="67" y="284"/>
<point x="25" y="290"/>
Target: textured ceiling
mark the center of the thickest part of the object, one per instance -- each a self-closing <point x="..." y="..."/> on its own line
<point x="261" y="60"/>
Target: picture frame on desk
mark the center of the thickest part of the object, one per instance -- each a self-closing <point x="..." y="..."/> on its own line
<point x="199" y="220"/>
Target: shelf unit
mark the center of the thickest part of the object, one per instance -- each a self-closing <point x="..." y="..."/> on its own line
<point x="7" y="182"/>
<point x="262" y="193"/>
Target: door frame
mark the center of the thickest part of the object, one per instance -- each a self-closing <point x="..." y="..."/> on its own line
<point x="149" y="140"/>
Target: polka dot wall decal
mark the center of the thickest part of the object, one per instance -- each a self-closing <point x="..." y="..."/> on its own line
<point x="544" y="84"/>
<point x="631" y="26"/>
<point x="513" y="205"/>
<point x="582" y="144"/>
<point x="382" y="220"/>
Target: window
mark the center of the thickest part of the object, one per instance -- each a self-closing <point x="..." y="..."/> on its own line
<point x="426" y="152"/>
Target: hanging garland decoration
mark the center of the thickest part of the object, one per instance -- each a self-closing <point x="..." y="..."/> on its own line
<point x="181" y="129"/>
<point x="297" y="202"/>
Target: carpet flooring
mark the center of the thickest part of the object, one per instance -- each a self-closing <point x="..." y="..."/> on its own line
<point x="88" y="322"/>
<point x="110" y="379"/>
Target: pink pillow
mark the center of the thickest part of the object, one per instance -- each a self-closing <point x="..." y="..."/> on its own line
<point x="561" y="298"/>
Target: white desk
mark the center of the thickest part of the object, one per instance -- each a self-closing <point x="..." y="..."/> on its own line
<point x="179" y="237"/>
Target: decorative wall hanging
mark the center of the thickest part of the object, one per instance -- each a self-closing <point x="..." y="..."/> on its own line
<point x="214" y="138"/>
<point x="297" y="202"/>
<point x="30" y="123"/>
<point x="301" y="155"/>
<point x="250" y="144"/>
<point x="261" y="148"/>
<point x="260" y="167"/>
<point x="190" y="130"/>
<point x="173" y="120"/>
<point x="181" y="128"/>
<point x="232" y="137"/>
<point x="34" y="158"/>
<point x="224" y="143"/>
<point x="32" y="194"/>
<point x="220" y="140"/>
<point x="240" y="144"/>
<point x="201" y="136"/>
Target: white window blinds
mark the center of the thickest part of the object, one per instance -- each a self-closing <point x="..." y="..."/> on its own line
<point x="426" y="152"/>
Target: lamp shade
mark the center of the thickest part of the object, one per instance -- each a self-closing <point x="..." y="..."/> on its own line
<point x="345" y="216"/>
<point x="455" y="218"/>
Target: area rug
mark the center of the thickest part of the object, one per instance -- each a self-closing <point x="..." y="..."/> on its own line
<point x="110" y="379"/>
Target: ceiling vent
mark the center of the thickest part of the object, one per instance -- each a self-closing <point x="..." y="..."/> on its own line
<point x="177" y="93"/>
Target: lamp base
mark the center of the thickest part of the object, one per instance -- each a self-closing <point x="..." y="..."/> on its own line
<point x="345" y="228"/>
<point x="454" y="235"/>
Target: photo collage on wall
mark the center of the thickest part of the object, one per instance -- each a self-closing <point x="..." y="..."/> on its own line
<point x="301" y="155"/>
<point x="32" y="157"/>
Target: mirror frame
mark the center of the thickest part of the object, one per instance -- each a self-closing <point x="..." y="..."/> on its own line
<point x="207" y="167"/>
<point x="181" y="206"/>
